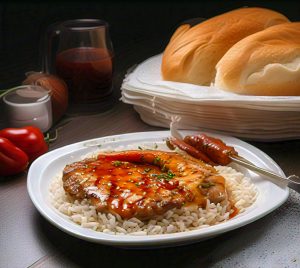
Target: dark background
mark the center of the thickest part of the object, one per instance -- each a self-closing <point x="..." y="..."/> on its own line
<point x="23" y="23"/>
<point x="138" y="30"/>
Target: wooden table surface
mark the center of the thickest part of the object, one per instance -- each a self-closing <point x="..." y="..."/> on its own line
<point x="28" y="240"/>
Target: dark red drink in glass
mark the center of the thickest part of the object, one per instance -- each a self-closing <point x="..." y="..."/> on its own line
<point x="88" y="73"/>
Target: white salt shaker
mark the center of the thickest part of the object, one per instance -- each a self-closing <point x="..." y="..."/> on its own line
<point x="28" y="105"/>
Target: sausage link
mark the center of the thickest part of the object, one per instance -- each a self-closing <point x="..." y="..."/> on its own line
<point x="190" y="150"/>
<point x="214" y="148"/>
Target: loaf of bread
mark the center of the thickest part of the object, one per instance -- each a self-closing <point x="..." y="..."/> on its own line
<point x="265" y="63"/>
<point x="193" y="52"/>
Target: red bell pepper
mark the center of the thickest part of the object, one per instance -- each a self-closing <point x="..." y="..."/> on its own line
<point x="29" y="139"/>
<point x="12" y="159"/>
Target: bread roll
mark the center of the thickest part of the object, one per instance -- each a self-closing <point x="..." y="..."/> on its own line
<point x="266" y="63"/>
<point x="193" y="52"/>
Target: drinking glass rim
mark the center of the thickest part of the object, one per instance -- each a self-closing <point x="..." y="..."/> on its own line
<point x="94" y="24"/>
<point x="43" y="100"/>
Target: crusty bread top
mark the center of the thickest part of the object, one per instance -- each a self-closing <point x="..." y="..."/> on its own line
<point x="193" y="52"/>
<point x="265" y="63"/>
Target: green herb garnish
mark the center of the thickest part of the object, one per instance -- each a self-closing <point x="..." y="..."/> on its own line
<point x="117" y="163"/>
<point x="206" y="184"/>
<point x="164" y="176"/>
<point x="170" y="175"/>
<point x="156" y="160"/>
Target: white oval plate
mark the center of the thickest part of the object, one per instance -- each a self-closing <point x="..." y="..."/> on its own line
<point x="46" y="167"/>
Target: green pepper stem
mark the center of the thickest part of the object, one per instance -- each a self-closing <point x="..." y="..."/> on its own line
<point x="55" y="137"/>
<point x="48" y="138"/>
<point x="3" y="92"/>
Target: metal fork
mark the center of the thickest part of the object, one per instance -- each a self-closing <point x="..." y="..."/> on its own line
<point x="292" y="181"/>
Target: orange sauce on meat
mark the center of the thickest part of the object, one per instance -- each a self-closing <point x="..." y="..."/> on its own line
<point x="125" y="185"/>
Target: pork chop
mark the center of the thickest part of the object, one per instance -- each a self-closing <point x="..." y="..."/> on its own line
<point x="143" y="183"/>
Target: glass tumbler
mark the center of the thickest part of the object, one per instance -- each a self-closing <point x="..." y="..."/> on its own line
<point x="81" y="53"/>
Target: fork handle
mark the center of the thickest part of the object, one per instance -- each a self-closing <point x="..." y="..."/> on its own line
<point x="275" y="178"/>
<point x="294" y="183"/>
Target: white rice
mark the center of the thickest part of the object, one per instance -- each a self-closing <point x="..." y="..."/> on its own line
<point x="242" y="191"/>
